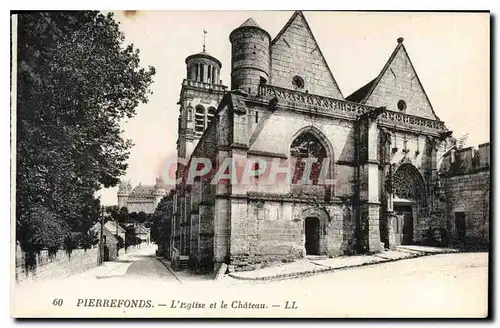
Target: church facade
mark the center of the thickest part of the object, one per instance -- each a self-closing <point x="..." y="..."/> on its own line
<point x="384" y="144"/>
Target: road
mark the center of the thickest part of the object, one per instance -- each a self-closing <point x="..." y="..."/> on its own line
<point x="446" y="285"/>
<point x="147" y="266"/>
<point x="135" y="265"/>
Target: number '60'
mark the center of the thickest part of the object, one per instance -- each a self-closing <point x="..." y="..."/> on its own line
<point x="57" y="302"/>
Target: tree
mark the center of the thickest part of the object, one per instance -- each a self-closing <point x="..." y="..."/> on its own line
<point x="132" y="217"/>
<point x="161" y="226"/>
<point x="77" y="81"/>
<point x="131" y="236"/>
<point x="142" y="217"/>
<point x="123" y="215"/>
<point x="113" y="212"/>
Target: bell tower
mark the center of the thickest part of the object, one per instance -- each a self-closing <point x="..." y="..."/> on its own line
<point x="201" y="92"/>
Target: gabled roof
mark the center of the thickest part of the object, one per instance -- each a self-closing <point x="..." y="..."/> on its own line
<point x="110" y="226"/>
<point x="287" y="25"/>
<point x="364" y="92"/>
<point x="113" y="227"/>
<point x="361" y="93"/>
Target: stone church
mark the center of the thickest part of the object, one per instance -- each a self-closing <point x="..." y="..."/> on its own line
<point x="385" y="143"/>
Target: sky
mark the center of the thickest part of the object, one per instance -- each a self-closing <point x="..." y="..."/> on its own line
<point x="450" y="52"/>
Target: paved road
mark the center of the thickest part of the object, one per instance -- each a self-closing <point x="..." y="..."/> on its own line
<point x="447" y="285"/>
<point x="147" y="266"/>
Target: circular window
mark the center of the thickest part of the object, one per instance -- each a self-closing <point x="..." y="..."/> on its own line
<point x="298" y="82"/>
<point x="401" y="105"/>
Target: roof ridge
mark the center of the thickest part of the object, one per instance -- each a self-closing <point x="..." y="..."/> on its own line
<point x="382" y="72"/>
<point x="386" y="67"/>
<point x="288" y="23"/>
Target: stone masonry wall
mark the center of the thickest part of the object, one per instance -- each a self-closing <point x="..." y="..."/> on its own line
<point x="295" y="52"/>
<point x="59" y="266"/>
<point x="469" y="193"/>
<point x="399" y="82"/>
<point x="272" y="231"/>
<point x="282" y="126"/>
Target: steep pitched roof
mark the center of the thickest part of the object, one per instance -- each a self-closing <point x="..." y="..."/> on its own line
<point x="110" y="226"/>
<point x="363" y="94"/>
<point x="368" y="88"/>
<point x="143" y="190"/>
<point x="285" y="28"/>
<point x="113" y="227"/>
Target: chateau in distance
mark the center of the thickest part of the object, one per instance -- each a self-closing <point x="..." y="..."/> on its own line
<point x="399" y="179"/>
<point x="142" y="198"/>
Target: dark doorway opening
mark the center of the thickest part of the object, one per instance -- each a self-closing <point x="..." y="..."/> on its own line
<point x="403" y="225"/>
<point x="460" y="225"/>
<point x="106" y="253"/>
<point x="312" y="235"/>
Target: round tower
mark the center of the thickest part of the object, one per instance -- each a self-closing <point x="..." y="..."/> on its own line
<point x="202" y="67"/>
<point x="159" y="191"/>
<point x="250" y="57"/>
<point x="123" y="194"/>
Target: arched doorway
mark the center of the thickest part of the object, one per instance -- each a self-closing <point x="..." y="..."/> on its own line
<point x="312" y="232"/>
<point x="409" y="201"/>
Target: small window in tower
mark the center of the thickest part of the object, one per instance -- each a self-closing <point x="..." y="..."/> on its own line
<point x="210" y="113"/>
<point x="256" y="117"/>
<point x="263" y="81"/>
<point x="190" y="113"/>
<point x="401" y="105"/>
<point x="298" y="82"/>
<point x="199" y="119"/>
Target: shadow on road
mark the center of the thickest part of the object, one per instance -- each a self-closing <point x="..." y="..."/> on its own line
<point x="142" y="256"/>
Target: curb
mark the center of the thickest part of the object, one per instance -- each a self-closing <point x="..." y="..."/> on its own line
<point x="302" y="274"/>
<point x="162" y="261"/>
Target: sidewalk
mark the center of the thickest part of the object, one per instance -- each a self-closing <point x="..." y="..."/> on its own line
<point x="184" y="276"/>
<point x="111" y="268"/>
<point x="312" y="265"/>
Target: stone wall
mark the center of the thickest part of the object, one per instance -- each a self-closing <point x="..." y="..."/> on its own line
<point x="400" y="83"/>
<point x="466" y="178"/>
<point x="267" y="231"/>
<point x="58" y="266"/>
<point x="469" y="193"/>
<point x="271" y="138"/>
<point x="295" y="52"/>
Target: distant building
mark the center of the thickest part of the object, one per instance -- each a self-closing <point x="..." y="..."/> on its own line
<point x="142" y="198"/>
<point x="110" y="233"/>
<point x="143" y="233"/>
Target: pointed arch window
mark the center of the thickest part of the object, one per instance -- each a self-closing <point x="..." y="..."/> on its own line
<point x="305" y="146"/>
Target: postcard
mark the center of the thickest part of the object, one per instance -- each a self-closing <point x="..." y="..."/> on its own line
<point x="258" y="164"/>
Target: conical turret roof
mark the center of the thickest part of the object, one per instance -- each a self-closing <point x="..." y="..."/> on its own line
<point x="250" y="22"/>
